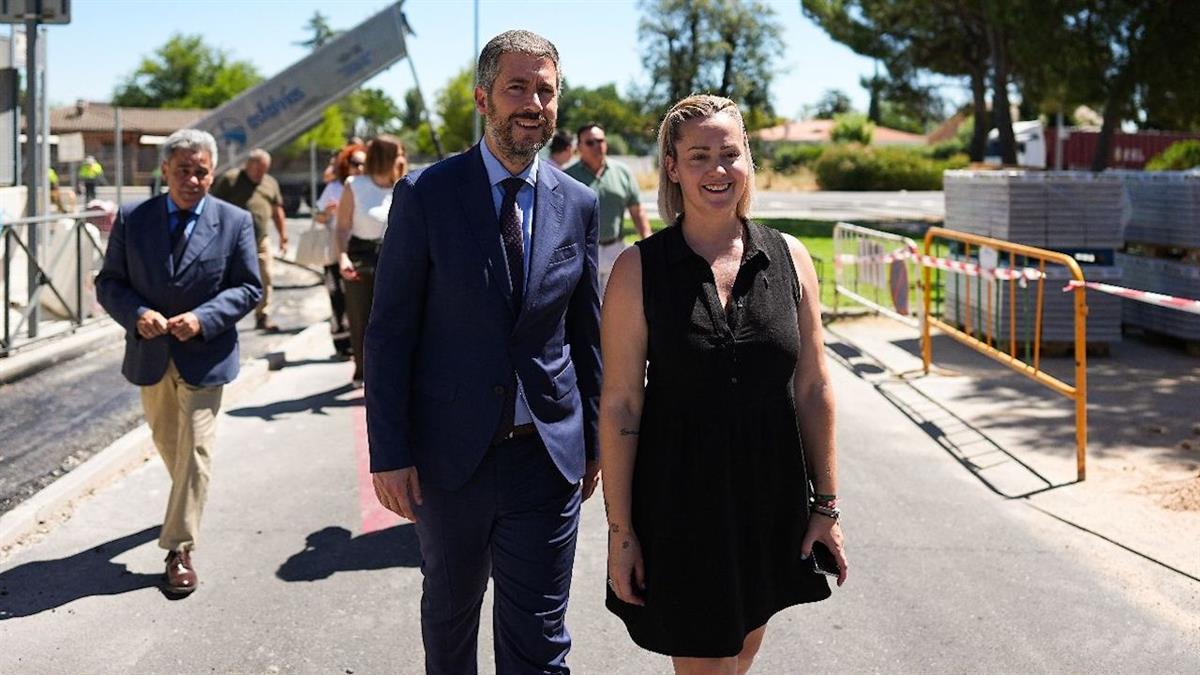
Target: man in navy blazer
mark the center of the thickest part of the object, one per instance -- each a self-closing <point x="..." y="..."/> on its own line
<point x="483" y="371"/>
<point x="179" y="271"/>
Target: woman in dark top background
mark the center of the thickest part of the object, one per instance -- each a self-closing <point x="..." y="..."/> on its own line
<point x="707" y="452"/>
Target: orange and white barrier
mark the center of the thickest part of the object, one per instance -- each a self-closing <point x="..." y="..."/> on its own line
<point x="1183" y="304"/>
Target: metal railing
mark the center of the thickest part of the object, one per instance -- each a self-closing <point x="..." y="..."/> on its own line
<point x="872" y="267"/>
<point x="56" y="253"/>
<point x="980" y="314"/>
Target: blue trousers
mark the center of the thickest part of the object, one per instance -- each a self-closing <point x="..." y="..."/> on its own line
<point x="515" y="520"/>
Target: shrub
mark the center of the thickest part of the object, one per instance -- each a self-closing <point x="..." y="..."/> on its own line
<point x="788" y="158"/>
<point x="857" y="167"/>
<point x="947" y="149"/>
<point x="1180" y="156"/>
<point x="852" y="128"/>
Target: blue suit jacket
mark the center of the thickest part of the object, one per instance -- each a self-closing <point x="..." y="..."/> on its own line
<point x="217" y="279"/>
<point x="444" y="338"/>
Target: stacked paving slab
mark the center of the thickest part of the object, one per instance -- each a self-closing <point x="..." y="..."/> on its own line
<point x="1069" y="211"/>
<point x="1162" y="252"/>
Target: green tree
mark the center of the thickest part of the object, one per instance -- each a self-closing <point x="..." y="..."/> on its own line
<point x="832" y="103"/>
<point x="726" y="47"/>
<point x="852" y="128"/>
<point x="185" y="73"/>
<point x="914" y="38"/>
<point x="454" y="104"/>
<point x="414" y="109"/>
<point x="620" y="117"/>
<point x="1141" y="63"/>
<point x="328" y="134"/>
<point x="322" y="33"/>
<point x="377" y="112"/>
<point x="1181" y="155"/>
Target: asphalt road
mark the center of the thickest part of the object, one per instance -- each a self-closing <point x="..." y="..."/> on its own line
<point x="58" y="418"/>
<point x="946" y="576"/>
<point x="851" y="206"/>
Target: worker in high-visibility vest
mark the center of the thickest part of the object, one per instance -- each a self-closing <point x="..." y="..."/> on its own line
<point x="90" y="173"/>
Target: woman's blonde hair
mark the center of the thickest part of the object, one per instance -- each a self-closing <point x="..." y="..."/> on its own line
<point x="695" y="107"/>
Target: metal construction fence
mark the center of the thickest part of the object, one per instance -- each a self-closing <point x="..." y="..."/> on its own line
<point x="46" y="277"/>
<point x="987" y="294"/>
<point x="875" y="269"/>
<point x="999" y="311"/>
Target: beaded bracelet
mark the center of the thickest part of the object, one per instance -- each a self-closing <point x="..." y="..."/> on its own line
<point x="829" y="512"/>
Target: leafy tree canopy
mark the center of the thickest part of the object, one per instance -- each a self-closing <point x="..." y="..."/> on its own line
<point x="725" y="47"/>
<point x="185" y="73"/>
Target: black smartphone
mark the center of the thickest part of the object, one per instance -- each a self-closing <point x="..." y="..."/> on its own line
<point x="822" y="560"/>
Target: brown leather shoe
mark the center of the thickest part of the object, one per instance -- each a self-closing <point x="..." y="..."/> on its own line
<point x="180" y="576"/>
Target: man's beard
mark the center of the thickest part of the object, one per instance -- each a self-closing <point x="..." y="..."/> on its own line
<point x="509" y="145"/>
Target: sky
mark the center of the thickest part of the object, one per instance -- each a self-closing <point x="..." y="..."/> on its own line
<point x="597" y="42"/>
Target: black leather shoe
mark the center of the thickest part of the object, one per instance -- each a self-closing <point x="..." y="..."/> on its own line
<point x="266" y="325"/>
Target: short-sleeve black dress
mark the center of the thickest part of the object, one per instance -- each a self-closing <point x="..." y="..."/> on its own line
<point x="720" y="488"/>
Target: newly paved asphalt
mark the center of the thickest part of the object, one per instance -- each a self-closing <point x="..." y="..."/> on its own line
<point x="946" y="575"/>
<point x="56" y="419"/>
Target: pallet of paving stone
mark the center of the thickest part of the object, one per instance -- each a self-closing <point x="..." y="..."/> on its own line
<point x="1163" y="207"/>
<point x="1058" y="314"/>
<point x="1176" y="278"/>
<point x="1049" y="209"/>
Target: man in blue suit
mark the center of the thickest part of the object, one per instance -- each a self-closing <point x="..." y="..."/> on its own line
<point x="483" y="372"/>
<point x="179" y="272"/>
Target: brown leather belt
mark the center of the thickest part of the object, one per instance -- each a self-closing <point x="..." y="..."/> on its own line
<point x="519" y="431"/>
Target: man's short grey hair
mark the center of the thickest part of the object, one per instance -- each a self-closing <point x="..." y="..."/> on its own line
<point x="189" y="139"/>
<point x="513" y="42"/>
<point x="259" y="155"/>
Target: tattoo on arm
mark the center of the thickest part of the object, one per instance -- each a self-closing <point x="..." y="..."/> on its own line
<point x="625" y="544"/>
<point x="629" y="432"/>
<point x="614" y="528"/>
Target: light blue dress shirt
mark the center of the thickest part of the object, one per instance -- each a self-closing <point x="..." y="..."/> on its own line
<point x="190" y="225"/>
<point x="497" y="173"/>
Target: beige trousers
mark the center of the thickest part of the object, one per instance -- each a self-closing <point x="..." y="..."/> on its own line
<point x="183" y="422"/>
<point x="264" y="272"/>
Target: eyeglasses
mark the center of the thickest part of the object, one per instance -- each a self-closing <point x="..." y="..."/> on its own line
<point x="356" y="164"/>
<point x="592" y="142"/>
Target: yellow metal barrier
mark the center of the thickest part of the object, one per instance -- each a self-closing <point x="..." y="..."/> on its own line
<point x="991" y="347"/>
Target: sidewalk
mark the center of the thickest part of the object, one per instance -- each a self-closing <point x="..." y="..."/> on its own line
<point x="1143" y="458"/>
<point x="301" y="572"/>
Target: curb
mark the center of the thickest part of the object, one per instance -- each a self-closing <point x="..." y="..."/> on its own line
<point x="53" y="504"/>
<point x="37" y="359"/>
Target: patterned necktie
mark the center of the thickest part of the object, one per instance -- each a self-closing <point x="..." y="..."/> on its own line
<point x="514" y="245"/>
<point x="177" y="239"/>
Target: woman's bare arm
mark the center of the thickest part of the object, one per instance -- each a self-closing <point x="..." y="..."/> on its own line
<point x="623" y="336"/>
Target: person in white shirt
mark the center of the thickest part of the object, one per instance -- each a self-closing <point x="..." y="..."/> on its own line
<point x="347" y="162"/>
<point x="362" y="216"/>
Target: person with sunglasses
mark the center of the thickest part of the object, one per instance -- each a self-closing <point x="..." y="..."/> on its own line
<point x="613" y="183"/>
<point x="346" y="163"/>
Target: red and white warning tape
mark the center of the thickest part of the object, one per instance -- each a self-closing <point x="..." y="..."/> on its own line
<point x="851" y="259"/>
<point x="963" y="267"/>
<point x="973" y="270"/>
<point x="1184" y="304"/>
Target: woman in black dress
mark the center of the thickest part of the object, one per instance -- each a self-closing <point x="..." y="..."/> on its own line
<point x="716" y="411"/>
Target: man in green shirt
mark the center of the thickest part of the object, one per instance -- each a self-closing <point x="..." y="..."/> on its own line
<point x="252" y="189"/>
<point x="617" y="190"/>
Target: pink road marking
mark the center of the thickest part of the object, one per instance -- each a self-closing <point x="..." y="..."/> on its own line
<point x="374" y="516"/>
